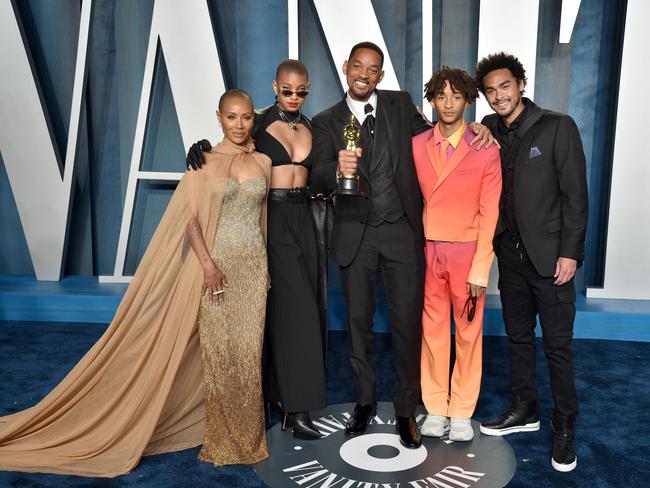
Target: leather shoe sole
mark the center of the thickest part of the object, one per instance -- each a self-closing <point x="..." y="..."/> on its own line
<point x="531" y="427"/>
<point x="564" y="468"/>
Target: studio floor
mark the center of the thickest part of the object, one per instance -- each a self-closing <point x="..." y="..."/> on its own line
<point x="612" y="436"/>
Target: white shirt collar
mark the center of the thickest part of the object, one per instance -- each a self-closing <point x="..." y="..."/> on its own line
<point x="358" y="108"/>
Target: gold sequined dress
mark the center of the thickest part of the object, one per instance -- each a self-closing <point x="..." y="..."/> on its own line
<point x="231" y="333"/>
<point x="140" y="389"/>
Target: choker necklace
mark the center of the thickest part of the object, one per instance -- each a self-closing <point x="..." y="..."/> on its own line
<point x="293" y="123"/>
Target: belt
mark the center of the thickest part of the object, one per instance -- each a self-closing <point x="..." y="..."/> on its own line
<point x="294" y="195"/>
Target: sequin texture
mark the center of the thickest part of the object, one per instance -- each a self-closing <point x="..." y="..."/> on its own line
<point x="232" y="332"/>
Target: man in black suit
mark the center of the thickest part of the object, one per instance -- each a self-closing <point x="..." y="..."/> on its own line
<point x="539" y="243"/>
<point x="380" y="233"/>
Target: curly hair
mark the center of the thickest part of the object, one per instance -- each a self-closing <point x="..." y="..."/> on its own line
<point x="499" y="61"/>
<point x="459" y="80"/>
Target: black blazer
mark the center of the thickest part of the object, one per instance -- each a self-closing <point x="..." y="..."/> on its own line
<point x="549" y="188"/>
<point x="397" y="121"/>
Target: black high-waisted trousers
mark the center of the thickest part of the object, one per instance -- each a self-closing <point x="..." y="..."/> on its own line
<point x="295" y="372"/>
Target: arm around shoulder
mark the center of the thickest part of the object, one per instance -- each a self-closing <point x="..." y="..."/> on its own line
<point x="419" y="123"/>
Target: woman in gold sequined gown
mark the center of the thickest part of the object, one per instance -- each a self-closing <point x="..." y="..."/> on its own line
<point x="149" y="385"/>
<point x="232" y="312"/>
<point x="232" y="331"/>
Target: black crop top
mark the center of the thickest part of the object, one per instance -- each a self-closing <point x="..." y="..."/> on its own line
<point x="269" y="145"/>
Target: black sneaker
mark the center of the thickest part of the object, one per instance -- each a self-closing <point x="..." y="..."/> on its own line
<point x="564" y="457"/>
<point x="521" y="416"/>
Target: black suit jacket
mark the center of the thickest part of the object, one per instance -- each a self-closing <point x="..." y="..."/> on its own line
<point x="549" y="188"/>
<point x="397" y="121"/>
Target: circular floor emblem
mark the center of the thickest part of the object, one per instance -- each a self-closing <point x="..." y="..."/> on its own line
<point x="364" y="452"/>
<point x="377" y="459"/>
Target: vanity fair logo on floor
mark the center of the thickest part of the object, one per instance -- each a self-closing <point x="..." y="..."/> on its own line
<point x="378" y="460"/>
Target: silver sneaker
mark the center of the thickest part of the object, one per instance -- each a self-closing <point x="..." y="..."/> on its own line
<point x="461" y="430"/>
<point x="435" y="426"/>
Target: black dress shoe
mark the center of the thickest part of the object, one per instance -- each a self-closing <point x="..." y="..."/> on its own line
<point x="409" y="434"/>
<point x="302" y="426"/>
<point x="360" y="418"/>
<point x="564" y="457"/>
<point x="521" y="416"/>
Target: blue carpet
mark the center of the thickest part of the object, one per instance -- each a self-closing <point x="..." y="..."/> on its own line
<point x="612" y="434"/>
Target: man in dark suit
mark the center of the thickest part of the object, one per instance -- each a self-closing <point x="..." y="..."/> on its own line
<point x="539" y="243"/>
<point x="380" y="233"/>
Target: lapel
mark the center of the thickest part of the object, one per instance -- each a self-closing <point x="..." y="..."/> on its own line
<point x="450" y="165"/>
<point x="523" y="151"/>
<point x="434" y="158"/>
<point x="340" y="119"/>
<point x="427" y="163"/>
<point x="383" y="130"/>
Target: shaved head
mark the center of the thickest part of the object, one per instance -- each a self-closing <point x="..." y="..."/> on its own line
<point x="291" y="66"/>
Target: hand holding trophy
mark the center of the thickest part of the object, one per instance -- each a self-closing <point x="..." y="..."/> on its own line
<point x="348" y="181"/>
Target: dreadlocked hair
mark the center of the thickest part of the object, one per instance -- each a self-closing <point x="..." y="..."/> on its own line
<point x="459" y="80"/>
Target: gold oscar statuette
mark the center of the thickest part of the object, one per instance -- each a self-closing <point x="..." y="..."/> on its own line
<point x="348" y="184"/>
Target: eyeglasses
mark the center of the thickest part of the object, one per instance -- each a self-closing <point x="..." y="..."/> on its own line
<point x="470" y="306"/>
<point x="299" y="94"/>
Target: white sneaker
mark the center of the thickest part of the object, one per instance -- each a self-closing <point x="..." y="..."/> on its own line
<point x="435" y="426"/>
<point x="461" y="430"/>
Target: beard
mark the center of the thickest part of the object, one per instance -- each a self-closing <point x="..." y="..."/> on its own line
<point x="507" y="110"/>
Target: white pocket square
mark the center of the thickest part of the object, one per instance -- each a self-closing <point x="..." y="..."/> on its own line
<point x="534" y="152"/>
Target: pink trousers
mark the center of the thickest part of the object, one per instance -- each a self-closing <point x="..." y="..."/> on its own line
<point x="447" y="268"/>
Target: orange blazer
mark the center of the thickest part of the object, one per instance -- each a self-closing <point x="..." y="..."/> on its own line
<point x="461" y="199"/>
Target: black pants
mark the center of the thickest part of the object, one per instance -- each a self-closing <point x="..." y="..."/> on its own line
<point x="393" y="250"/>
<point x="524" y="295"/>
<point x="295" y="374"/>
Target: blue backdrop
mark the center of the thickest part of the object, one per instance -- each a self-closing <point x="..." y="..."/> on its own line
<point x="580" y="78"/>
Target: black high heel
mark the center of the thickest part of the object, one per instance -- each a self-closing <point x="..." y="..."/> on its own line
<point x="268" y="410"/>
<point x="302" y="426"/>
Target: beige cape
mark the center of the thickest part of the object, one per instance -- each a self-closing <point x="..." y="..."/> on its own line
<point x="138" y="391"/>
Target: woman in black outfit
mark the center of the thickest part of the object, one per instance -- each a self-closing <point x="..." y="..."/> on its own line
<point x="295" y="376"/>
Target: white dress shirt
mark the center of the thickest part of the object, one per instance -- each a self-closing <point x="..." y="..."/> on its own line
<point x="358" y="108"/>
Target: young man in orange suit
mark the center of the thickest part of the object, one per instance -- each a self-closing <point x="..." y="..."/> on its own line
<point x="461" y="188"/>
